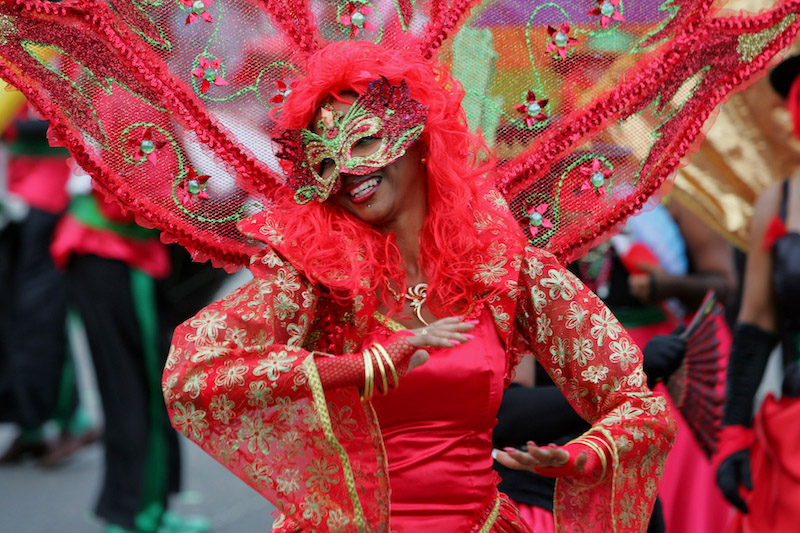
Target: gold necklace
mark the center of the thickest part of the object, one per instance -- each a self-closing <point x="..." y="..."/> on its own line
<point x="416" y="295"/>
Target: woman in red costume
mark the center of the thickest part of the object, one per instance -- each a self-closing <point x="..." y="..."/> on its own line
<point x="759" y="463"/>
<point x="387" y="313"/>
<point x="386" y="208"/>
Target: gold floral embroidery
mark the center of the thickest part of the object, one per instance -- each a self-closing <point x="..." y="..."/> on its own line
<point x="189" y="420"/>
<point x="334" y="522"/>
<point x="231" y="374"/>
<point x="208" y="324"/>
<point x="275" y="364"/>
<point x="221" y="408"/>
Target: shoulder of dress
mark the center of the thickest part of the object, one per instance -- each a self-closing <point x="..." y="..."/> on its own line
<point x="270" y="264"/>
<point x="535" y="259"/>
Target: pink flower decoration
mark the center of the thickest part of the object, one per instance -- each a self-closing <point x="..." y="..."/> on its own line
<point x="146" y="146"/>
<point x="560" y="40"/>
<point x="283" y="91"/>
<point x="193" y="186"/>
<point x="532" y="109"/>
<point x="537" y="220"/>
<point x="608" y="11"/>
<point x="198" y="10"/>
<point x="597" y="174"/>
<point x="356" y="18"/>
<point x="209" y="73"/>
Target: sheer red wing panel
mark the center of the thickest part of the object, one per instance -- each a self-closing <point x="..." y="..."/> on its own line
<point x="666" y="104"/>
<point x="148" y="137"/>
<point x="588" y="104"/>
<point x="590" y="115"/>
<point x="296" y="21"/>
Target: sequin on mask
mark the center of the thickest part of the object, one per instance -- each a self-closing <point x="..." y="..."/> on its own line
<point x="315" y="162"/>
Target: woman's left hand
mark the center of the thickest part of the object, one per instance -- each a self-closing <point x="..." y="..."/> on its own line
<point x="552" y="460"/>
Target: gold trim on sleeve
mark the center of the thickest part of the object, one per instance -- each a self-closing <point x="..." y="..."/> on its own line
<point x="492" y="518"/>
<point x="321" y="407"/>
<point x="606" y="437"/>
<point x="393" y="325"/>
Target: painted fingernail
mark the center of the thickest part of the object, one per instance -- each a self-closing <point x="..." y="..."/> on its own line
<point x="473" y="322"/>
<point x="509" y="449"/>
<point x="494" y="453"/>
<point x="469" y="335"/>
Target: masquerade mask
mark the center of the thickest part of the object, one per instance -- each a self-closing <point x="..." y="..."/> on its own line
<point x="374" y="132"/>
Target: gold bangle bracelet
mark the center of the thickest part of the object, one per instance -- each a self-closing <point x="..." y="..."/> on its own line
<point x="600" y="448"/>
<point x="382" y="370"/>
<point x="600" y="441"/>
<point x="382" y="351"/>
<point x="371" y="375"/>
<point x="588" y="441"/>
<point x="364" y="389"/>
<point x="368" y="377"/>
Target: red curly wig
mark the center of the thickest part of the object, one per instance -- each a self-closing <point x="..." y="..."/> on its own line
<point x="354" y="259"/>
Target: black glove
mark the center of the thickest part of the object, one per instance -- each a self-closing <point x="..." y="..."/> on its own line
<point x="663" y="355"/>
<point x="733" y="472"/>
<point x="749" y="355"/>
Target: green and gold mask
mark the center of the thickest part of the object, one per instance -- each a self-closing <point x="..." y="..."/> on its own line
<point x="374" y="132"/>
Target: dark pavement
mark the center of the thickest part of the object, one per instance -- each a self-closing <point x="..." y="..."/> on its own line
<point x="60" y="500"/>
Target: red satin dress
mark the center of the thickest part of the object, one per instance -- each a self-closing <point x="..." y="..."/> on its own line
<point x="437" y="429"/>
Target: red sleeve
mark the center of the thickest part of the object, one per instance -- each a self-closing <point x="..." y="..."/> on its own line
<point x="598" y="368"/>
<point x="240" y="384"/>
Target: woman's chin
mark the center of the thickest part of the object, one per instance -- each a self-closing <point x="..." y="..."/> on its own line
<point x="370" y="209"/>
<point x="371" y="214"/>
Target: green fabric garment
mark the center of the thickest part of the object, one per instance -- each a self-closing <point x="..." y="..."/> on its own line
<point x="155" y="484"/>
<point x="87" y="210"/>
<point x="40" y="147"/>
<point x="634" y="317"/>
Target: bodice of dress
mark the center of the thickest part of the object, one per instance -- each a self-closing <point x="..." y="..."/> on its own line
<point x="437" y="428"/>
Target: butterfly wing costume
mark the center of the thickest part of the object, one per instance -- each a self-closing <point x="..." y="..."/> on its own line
<point x="171" y="106"/>
<point x="143" y="92"/>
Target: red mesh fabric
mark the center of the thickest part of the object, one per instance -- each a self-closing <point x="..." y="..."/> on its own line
<point x="348" y="370"/>
<point x="341" y="371"/>
<point x="400" y="351"/>
<point x="562" y="91"/>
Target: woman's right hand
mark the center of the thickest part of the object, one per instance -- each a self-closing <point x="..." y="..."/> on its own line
<point x="444" y="333"/>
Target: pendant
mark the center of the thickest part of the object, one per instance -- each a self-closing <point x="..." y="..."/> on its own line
<point x="417" y="295"/>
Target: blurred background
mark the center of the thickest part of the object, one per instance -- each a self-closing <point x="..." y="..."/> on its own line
<point x="60" y="499"/>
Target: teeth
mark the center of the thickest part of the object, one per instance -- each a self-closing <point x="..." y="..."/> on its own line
<point x="362" y="189"/>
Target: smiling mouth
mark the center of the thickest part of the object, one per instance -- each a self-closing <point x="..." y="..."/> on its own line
<point x="363" y="189"/>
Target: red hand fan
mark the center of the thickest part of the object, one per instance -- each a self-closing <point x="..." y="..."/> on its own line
<point x="698" y="386"/>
